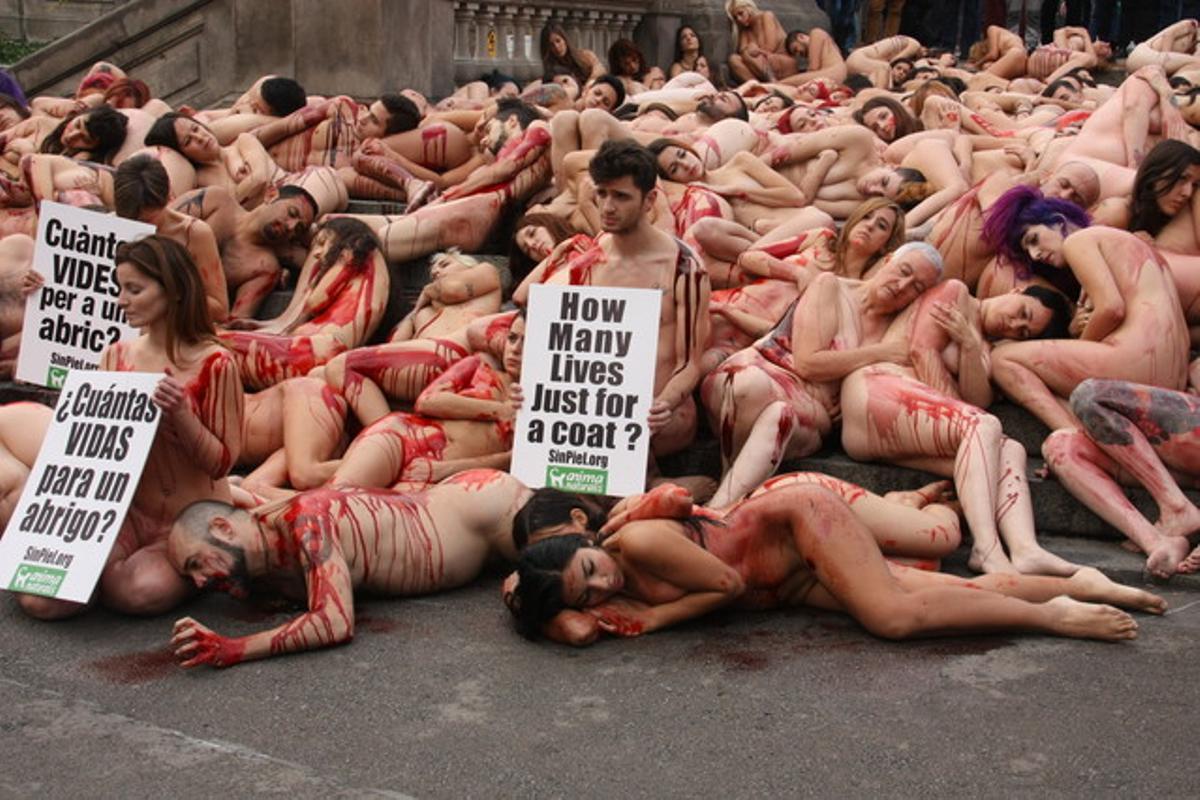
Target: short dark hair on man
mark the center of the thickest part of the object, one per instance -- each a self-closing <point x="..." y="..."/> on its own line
<point x="141" y="183"/>
<point x="856" y="82"/>
<point x="1058" y="84"/>
<point x="283" y="95"/>
<point x="1060" y="312"/>
<point x="290" y="190"/>
<point x="621" y="157"/>
<point x="617" y="87"/>
<point x="403" y="114"/>
<point x="514" y="107"/>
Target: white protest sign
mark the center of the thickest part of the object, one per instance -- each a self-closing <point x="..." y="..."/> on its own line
<point x="588" y="378"/>
<point x="74" y="316"/>
<point x="79" y="489"/>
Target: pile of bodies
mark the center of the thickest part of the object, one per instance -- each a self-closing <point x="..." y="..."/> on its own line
<point x="870" y="248"/>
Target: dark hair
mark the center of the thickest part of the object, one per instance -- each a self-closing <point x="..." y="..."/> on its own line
<point x="906" y="123"/>
<point x="1056" y="85"/>
<point x="403" y="114"/>
<point x="283" y="95"/>
<point x="662" y="143"/>
<point x="547" y="507"/>
<point x="539" y="593"/>
<point x="1021" y="207"/>
<point x="856" y="82"/>
<point x="956" y="84"/>
<point x="570" y="59"/>
<point x="914" y="187"/>
<point x="621" y="49"/>
<point x="787" y="101"/>
<point x="617" y="87"/>
<point x="743" y="112"/>
<point x="1165" y="164"/>
<point x="519" y="263"/>
<point x="168" y="263"/>
<point x="141" y="182"/>
<point x="895" y="62"/>
<point x="8" y="101"/>
<point x="163" y="132"/>
<point x="1060" y="311"/>
<point x="1078" y="74"/>
<point x="617" y="158"/>
<point x="515" y="107"/>
<point x="679" y="47"/>
<point x="496" y="79"/>
<point x="349" y="234"/>
<point x="290" y="190"/>
<point x="104" y="124"/>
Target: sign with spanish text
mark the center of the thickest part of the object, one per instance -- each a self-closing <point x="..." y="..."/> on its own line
<point x="75" y="499"/>
<point x="587" y="374"/>
<point x="74" y="315"/>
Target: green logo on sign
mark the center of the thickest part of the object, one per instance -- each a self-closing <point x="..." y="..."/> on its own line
<point x="576" y="479"/>
<point x="37" y="580"/>
<point x="55" y="377"/>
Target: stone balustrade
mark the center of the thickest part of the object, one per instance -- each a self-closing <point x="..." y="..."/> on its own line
<point x="505" y="36"/>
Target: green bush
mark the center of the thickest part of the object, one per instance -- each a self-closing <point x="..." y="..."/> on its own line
<point x="13" y="50"/>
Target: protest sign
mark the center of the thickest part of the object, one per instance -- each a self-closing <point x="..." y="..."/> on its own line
<point x="588" y="378"/>
<point x="74" y="315"/>
<point x="79" y="489"/>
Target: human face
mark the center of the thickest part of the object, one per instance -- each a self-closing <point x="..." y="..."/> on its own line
<point x="1013" y="316"/>
<point x="495" y="135"/>
<point x="879" y="182"/>
<point x="1044" y="243"/>
<point x="768" y="104"/>
<point x="727" y="103"/>
<point x="798" y="45"/>
<point x="514" y="348"/>
<point x="196" y="142"/>
<point x="805" y="120"/>
<point x="75" y="135"/>
<point x="902" y="280"/>
<point x="535" y="241"/>
<point x="446" y="264"/>
<point x="680" y="165"/>
<point x="286" y="220"/>
<point x="688" y="40"/>
<point x="558" y="45"/>
<point x="373" y="123"/>
<point x="568" y="83"/>
<point x="1073" y="182"/>
<point x="630" y="65"/>
<point x="1173" y="200"/>
<point x="600" y="95"/>
<point x="141" y="297"/>
<point x="900" y="72"/>
<point x="1189" y="109"/>
<point x="622" y="205"/>
<point x="210" y="564"/>
<point x="872" y="232"/>
<point x="590" y="578"/>
<point x="743" y="16"/>
<point x="8" y="118"/>
<point x="323" y="241"/>
<point x="1068" y="93"/>
<point x="881" y="120"/>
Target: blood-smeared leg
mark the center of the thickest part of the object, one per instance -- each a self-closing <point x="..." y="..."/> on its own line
<point x="368" y="376"/>
<point x="1014" y="517"/>
<point x="314" y="422"/>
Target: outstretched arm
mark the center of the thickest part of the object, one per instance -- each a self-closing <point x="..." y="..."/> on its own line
<point x="469" y="389"/>
<point x="328" y="621"/>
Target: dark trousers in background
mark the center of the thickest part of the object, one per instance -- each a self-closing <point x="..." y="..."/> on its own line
<point x="843" y="22"/>
<point x="1078" y="14"/>
<point x="949" y="24"/>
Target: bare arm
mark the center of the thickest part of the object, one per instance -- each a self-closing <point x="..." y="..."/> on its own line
<point x="469" y="389"/>
<point x="1094" y="272"/>
<point x="815" y="324"/>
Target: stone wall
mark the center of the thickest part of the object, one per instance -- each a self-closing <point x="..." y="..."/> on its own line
<point x="47" y="20"/>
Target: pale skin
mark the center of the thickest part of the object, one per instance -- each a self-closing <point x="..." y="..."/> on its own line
<point x="1139" y="435"/>
<point x="1005" y="57"/>
<point x="779" y="399"/>
<point x="458" y="293"/>
<point x="291" y="435"/>
<point x="1135" y="332"/>
<point x="855" y="155"/>
<point x="17" y="279"/>
<point x="930" y="417"/>
<point x="198" y="441"/>
<point x="824" y="59"/>
<point x="760" y="54"/>
<point x="1173" y="48"/>
<point x="324" y="546"/>
<point x="874" y="60"/>
<point x="809" y="549"/>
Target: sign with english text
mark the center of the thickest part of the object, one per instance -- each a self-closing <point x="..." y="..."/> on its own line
<point x="587" y="374"/>
<point x="74" y="315"/>
<point x="78" y="492"/>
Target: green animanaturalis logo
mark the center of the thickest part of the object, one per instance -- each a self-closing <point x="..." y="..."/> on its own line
<point x="577" y="479"/>
<point x="56" y="376"/>
<point x="37" y="580"/>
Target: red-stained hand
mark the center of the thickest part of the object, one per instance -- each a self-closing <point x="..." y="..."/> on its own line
<point x="194" y="644"/>
<point x="659" y="416"/>
<point x="667" y="501"/>
<point x="621" y="616"/>
<point x="516" y="397"/>
<point x="372" y="147"/>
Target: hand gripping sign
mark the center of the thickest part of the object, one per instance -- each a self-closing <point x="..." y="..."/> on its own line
<point x="74" y="315"/>
<point x="587" y="375"/>
<point x="81" y="484"/>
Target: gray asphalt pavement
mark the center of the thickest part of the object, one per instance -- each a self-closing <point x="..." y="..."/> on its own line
<point x="439" y="698"/>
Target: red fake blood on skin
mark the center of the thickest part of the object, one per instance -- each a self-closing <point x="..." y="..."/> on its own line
<point x="130" y="669"/>
<point x="474" y="480"/>
<point x="580" y="267"/>
<point x="217" y="650"/>
<point x="433" y="146"/>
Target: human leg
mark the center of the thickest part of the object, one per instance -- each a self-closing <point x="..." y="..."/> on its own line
<point x="1014" y="517"/>
<point x="314" y="420"/>
<point x="367" y="376"/>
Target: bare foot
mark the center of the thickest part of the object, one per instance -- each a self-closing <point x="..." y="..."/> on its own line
<point x="418" y="193"/>
<point x="1092" y="585"/>
<point x="1090" y="621"/>
<point x="992" y="561"/>
<point x="1191" y="563"/>
<point x="1167" y="557"/>
<point x="936" y="492"/>
<point x="1179" y="523"/>
<point x="1039" y="561"/>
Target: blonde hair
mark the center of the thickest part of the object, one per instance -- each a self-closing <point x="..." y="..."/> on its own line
<point x="841" y="245"/>
<point x="734" y="5"/>
<point x="457" y="255"/>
